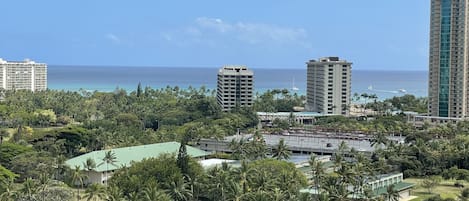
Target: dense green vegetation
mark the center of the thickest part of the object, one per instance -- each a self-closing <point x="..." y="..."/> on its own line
<point x="41" y="130"/>
<point x="406" y="102"/>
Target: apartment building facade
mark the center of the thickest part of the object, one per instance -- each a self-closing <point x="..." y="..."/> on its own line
<point x="328" y="86"/>
<point x="235" y="86"/>
<point x="27" y="74"/>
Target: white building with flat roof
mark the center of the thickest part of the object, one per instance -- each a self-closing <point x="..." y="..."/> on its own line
<point x="27" y="74"/>
<point x="328" y="86"/>
<point x="235" y="86"/>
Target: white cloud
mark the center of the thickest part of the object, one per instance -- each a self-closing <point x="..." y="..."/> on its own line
<point x="214" y="23"/>
<point x="210" y="29"/>
<point x="113" y="38"/>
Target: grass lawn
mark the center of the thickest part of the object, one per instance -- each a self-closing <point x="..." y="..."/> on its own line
<point x="445" y="189"/>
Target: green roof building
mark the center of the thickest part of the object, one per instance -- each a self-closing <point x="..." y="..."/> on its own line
<point x="378" y="186"/>
<point x="124" y="157"/>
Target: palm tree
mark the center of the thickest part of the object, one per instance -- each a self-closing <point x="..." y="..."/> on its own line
<point x="378" y="139"/>
<point x="30" y="187"/>
<point x="179" y="190"/>
<point x="242" y="176"/>
<point x="44" y="181"/>
<point x="8" y="193"/>
<point x="218" y="183"/>
<point x="257" y="148"/>
<point x="234" y="191"/>
<point x="365" y="97"/>
<point x="282" y="151"/>
<point x="151" y="193"/>
<point x="278" y="195"/>
<point x="259" y="195"/>
<point x="95" y="192"/>
<point x="238" y="148"/>
<point x="61" y="167"/>
<point x="109" y="158"/>
<point x="89" y="165"/>
<point x="391" y="194"/>
<point x="342" y="148"/>
<point x="114" y="194"/>
<point x="323" y="196"/>
<point x="340" y="193"/>
<point x="317" y="169"/>
<point x="133" y="196"/>
<point x="78" y="178"/>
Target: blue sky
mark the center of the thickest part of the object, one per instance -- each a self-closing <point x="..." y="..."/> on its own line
<point x="373" y="34"/>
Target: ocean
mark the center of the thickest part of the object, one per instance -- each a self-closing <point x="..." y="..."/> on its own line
<point x="384" y="84"/>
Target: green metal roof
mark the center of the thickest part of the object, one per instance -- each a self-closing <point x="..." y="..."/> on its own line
<point x="126" y="155"/>
<point x="397" y="187"/>
<point x="377" y="192"/>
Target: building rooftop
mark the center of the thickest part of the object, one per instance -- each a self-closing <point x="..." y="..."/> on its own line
<point x="309" y="114"/>
<point x="235" y="70"/>
<point x="25" y="61"/>
<point x="328" y="60"/>
<point x="126" y="155"/>
<point x="397" y="187"/>
<point x="209" y="163"/>
<point x="325" y="143"/>
<point x="380" y="191"/>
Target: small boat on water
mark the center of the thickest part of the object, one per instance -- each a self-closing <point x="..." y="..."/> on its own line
<point x="294" y="88"/>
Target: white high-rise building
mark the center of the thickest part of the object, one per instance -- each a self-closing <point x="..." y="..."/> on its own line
<point x="235" y="85"/>
<point x="328" y="86"/>
<point x="27" y="74"/>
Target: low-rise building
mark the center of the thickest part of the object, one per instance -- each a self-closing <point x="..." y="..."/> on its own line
<point x="379" y="187"/>
<point x="421" y="120"/>
<point x="302" y="118"/>
<point x="124" y="157"/>
<point x="301" y="143"/>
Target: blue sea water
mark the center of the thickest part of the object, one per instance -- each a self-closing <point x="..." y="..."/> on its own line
<point x="385" y="84"/>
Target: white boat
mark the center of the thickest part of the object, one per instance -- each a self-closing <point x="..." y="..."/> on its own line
<point x="294" y="88"/>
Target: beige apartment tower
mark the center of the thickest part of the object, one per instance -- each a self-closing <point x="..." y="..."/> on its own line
<point x="235" y="86"/>
<point x="448" y="59"/>
<point x="17" y="75"/>
<point x="328" y="86"/>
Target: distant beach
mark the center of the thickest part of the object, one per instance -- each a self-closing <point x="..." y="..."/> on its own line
<point x="385" y="84"/>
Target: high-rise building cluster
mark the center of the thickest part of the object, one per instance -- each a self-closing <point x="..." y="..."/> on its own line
<point x="328" y="86"/>
<point x="27" y="74"/>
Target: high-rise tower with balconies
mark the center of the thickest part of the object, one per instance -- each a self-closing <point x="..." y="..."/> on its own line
<point x="27" y="74"/>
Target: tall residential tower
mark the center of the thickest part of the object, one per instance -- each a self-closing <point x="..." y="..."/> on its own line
<point x="235" y="86"/>
<point x="448" y="71"/>
<point x="29" y="75"/>
<point x="328" y="86"/>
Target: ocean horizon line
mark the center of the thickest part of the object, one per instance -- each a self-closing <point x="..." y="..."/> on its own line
<point x="217" y="67"/>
